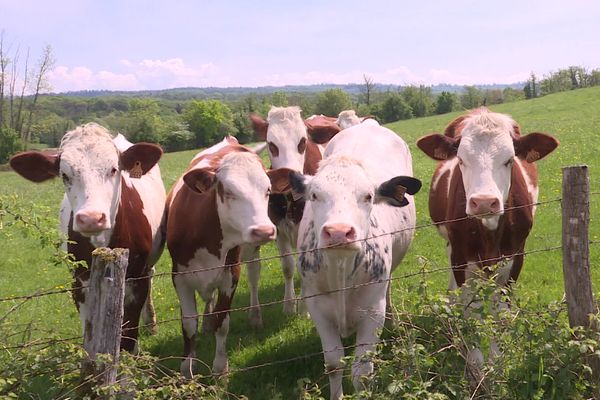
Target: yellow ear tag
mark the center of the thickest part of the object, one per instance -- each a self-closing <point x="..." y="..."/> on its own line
<point x="136" y="171"/>
<point x="532" y="156"/>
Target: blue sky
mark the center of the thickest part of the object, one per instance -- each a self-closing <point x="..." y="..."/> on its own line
<point x="133" y="45"/>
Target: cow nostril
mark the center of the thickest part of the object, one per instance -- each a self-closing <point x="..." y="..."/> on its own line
<point x="351" y="234"/>
<point x="495" y="205"/>
<point x="102" y="219"/>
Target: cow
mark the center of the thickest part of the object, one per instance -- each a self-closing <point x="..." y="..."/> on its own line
<point x="483" y="194"/>
<point x="217" y="205"/>
<point x="114" y="197"/>
<point x="357" y="226"/>
<point x="289" y="146"/>
<point x="347" y="118"/>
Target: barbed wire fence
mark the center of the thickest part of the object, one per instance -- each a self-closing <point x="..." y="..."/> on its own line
<point x="23" y="299"/>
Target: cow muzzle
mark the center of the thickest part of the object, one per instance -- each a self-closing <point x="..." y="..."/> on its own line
<point x="90" y="223"/>
<point x="339" y="235"/>
<point x="484" y="205"/>
<point x="260" y="234"/>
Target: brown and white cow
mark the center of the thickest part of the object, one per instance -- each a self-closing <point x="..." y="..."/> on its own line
<point x="486" y="171"/>
<point x="219" y="204"/>
<point x="114" y="197"/>
<point x="290" y="147"/>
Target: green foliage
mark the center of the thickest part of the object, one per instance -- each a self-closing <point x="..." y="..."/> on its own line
<point x="395" y="108"/>
<point x="423" y="356"/>
<point x="144" y="123"/>
<point x="331" y="102"/>
<point x="209" y="120"/>
<point x="10" y="143"/>
<point x="471" y="98"/>
<point x="445" y="103"/>
<point x="419" y="99"/>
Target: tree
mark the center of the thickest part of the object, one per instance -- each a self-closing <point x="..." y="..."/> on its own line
<point x="445" y="103"/>
<point x="509" y="94"/>
<point x="419" y="99"/>
<point x="332" y="101"/>
<point x="10" y="143"/>
<point x="369" y="86"/>
<point x="471" y="98"/>
<point x="45" y="65"/>
<point x="209" y="120"/>
<point x="143" y="122"/>
<point x="531" y="87"/>
<point x="395" y="108"/>
<point x="279" y="99"/>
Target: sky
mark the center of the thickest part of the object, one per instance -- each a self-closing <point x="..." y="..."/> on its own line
<point x="156" y="44"/>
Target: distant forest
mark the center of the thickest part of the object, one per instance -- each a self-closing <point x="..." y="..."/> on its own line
<point x="187" y="118"/>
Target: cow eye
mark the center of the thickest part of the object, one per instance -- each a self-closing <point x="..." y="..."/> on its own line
<point x="268" y="192"/>
<point x="273" y="149"/>
<point x="65" y="178"/>
<point x="368" y="198"/>
<point x="460" y="161"/>
<point x="508" y="163"/>
<point x="229" y="194"/>
<point x="113" y="171"/>
<point x="313" y="197"/>
<point x="302" y="145"/>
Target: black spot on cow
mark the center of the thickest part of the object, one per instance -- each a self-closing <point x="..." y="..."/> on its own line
<point x="310" y="259"/>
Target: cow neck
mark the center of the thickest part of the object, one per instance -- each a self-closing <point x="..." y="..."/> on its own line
<point x="473" y="242"/>
<point x="194" y="225"/>
<point x="311" y="158"/>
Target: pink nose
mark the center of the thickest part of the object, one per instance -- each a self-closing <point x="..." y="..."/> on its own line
<point x="484" y="204"/>
<point x="338" y="234"/>
<point x="89" y="221"/>
<point x="262" y="233"/>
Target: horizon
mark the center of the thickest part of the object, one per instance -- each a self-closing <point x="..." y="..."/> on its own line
<point x="160" y="46"/>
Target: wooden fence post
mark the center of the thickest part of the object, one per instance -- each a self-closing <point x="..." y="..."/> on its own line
<point x="104" y="299"/>
<point x="576" y="253"/>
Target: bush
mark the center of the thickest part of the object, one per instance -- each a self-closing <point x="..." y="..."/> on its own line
<point x="10" y="143"/>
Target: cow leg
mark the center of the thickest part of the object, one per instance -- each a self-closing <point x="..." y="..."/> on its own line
<point x="221" y="321"/>
<point x="189" y="324"/>
<point x="333" y="350"/>
<point x="253" y="268"/>
<point x="367" y="335"/>
<point x="287" y="267"/>
<point x="136" y="293"/>
<point x="209" y="306"/>
<point x="148" y="312"/>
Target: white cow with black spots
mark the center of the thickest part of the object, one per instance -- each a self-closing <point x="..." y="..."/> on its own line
<point x="359" y="206"/>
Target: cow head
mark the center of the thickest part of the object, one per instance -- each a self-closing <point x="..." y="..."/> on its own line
<point x="347" y="119"/>
<point x="287" y="134"/>
<point x="90" y="166"/>
<point x="484" y="145"/>
<point x="242" y="192"/>
<point x="341" y="196"/>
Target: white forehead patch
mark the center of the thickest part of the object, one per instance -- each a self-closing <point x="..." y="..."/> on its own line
<point x="89" y="145"/>
<point x="285" y="124"/>
<point x="489" y="123"/>
<point x="347" y="171"/>
<point x="242" y="167"/>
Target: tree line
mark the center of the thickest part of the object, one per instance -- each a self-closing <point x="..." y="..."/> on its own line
<point x="32" y="118"/>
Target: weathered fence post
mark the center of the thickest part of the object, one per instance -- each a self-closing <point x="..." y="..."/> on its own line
<point x="104" y="298"/>
<point x="576" y="252"/>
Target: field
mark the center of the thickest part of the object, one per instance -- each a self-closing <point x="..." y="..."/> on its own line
<point x="573" y="117"/>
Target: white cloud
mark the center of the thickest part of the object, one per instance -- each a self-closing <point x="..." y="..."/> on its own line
<point x="64" y="79"/>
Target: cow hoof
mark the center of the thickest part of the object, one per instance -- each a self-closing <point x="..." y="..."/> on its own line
<point x="255" y="318"/>
<point x="151" y="329"/>
<point x="220" y="368"/>
<point x="187" y="368"/>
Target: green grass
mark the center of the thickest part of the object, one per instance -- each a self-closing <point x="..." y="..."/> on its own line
<point x="572" y="117"/>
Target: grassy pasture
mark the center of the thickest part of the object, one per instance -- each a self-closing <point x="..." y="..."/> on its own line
<point x="573" y="117"/>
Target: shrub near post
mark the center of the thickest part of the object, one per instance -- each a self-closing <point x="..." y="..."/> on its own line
<point x="102" y="331"/>
<point x="576" y="252"/>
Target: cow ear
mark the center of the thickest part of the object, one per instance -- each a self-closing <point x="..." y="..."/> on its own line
<point x="260" y="126"/>
<point x="298" y="182"/>
<point x="534" y="146"/>
<point x="321" y="129"/>
<point x="392" y="192"/>
<point x="140" y="158"/>
<point x="36" y="166"/>
<point x="200" y="180"/>
<point x="438" y="147"/>
<point x="280" y="180"/>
